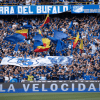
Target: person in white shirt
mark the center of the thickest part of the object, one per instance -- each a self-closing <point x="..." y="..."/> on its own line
<point x="6" y="77"/>
<point x="14" y="26"/>
<point x="65" y="2"/>
<point x="11" y="77"/>
<point x="42" y="77"/>
<point x="70" y="45"/>
<point x="94" y="48"/>
<point x="63" y="29"/>
<point x="28" y="2"/>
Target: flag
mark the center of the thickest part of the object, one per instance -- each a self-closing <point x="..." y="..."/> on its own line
<point x="27" y="26"/>
<point x="47" y="20"/>
<point x="46" y="42"/>
<point x="16" y="47"/>
<point x="71" y="24"/>
<point x="59" y="46"/>
<point x="52" y="39"/>
<point x="76" y="41"/>
<point x="37" y="43"/>
<point x="15" y="38"/>
<point x="38" y="37"/>
<point x="81" y="45"/>
<point x="41" y="48"/>
<point x="59" y="35"/>
<point x="71" y="38"/>
<point x="40" y="32"/>
<point x="45" y="47"/>
<point x="23" y="32"/>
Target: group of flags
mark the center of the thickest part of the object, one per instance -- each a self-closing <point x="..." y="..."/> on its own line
<point x="76" y="39"/>
<point x="45" y="41"/>
<point x="43" y="44"/>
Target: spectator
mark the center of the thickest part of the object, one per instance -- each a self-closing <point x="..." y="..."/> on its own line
<point x="30" y="77"/>
<point x="66" y="2"/>
<point x="13" y="80"/>
<point x="42" y="77"/>
<point x="28" y="2"/>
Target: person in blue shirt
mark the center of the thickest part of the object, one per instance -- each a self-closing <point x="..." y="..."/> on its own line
<point x="94" y="77"/>
<point x="61" y="76"/>
<point x="72" y="77"/>
<point x="66" y="76"/>
<point x="14" y="80"/>
<point x="37" y="77"/>
<point x="87" y="76"/>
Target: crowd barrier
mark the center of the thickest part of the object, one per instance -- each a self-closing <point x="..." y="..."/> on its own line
<point x="50" y="86"/>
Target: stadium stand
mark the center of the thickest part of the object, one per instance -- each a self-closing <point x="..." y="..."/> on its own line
<point x="85" y="65"/>
<point x="47" y="2"/>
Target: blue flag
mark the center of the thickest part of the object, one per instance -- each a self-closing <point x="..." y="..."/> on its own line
<point x="16" y="47"/>
<point x="53" y="39"/>
<point x="27" y="26"/>
<point x="71" y="24"/>
<point x="38" y="37"/>
<point x="38" y="43"/>
<point x="63" y="45"/>
<point x="15" y="38"/>
<point x="59" y="46"/>
<point x="59" y="35"/>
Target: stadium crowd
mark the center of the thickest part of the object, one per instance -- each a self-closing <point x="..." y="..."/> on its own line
<point x="43" y="2"/>
<point x="85" y="65"/>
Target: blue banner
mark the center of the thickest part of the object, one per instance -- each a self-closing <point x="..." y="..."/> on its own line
<point x="38" y="61"/>
<point x="85" y="9"/>
<point x="33" y="9"/>
<point x="45" y="9"/>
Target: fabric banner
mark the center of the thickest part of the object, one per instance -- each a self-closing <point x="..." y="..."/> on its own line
<point x="50" y="86"/>
<point x="85" y="9"/>
<point x="33" y="9"/>
<point x="39" y="61"/>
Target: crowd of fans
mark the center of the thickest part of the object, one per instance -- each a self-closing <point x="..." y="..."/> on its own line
<point x="43" y="2"/>
<point x="85" y="65"/>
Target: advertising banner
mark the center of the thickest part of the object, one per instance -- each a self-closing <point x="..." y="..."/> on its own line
<point x="33" y="9"/>
<point x="50" y="86"/>
<point x="38" y="61"/>
<point x="85" y="9"/>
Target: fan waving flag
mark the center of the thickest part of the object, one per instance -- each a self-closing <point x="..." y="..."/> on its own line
<point x="45" y="47"/>
<point x="76" y="41"/>
<point x="81" y="45"/>
<point x="23" y="32"/>
<point x="47" y="20"/>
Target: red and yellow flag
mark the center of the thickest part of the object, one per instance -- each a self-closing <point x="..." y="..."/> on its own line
<point x="47" y="20"/>
<point x="46" y="43"/>
<point x="40" y="32"/>
<point x="71" y="38"/>
<point x="76" y="41"/>
<point x="81" y="45"/>
<point x="23" y="32"/>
